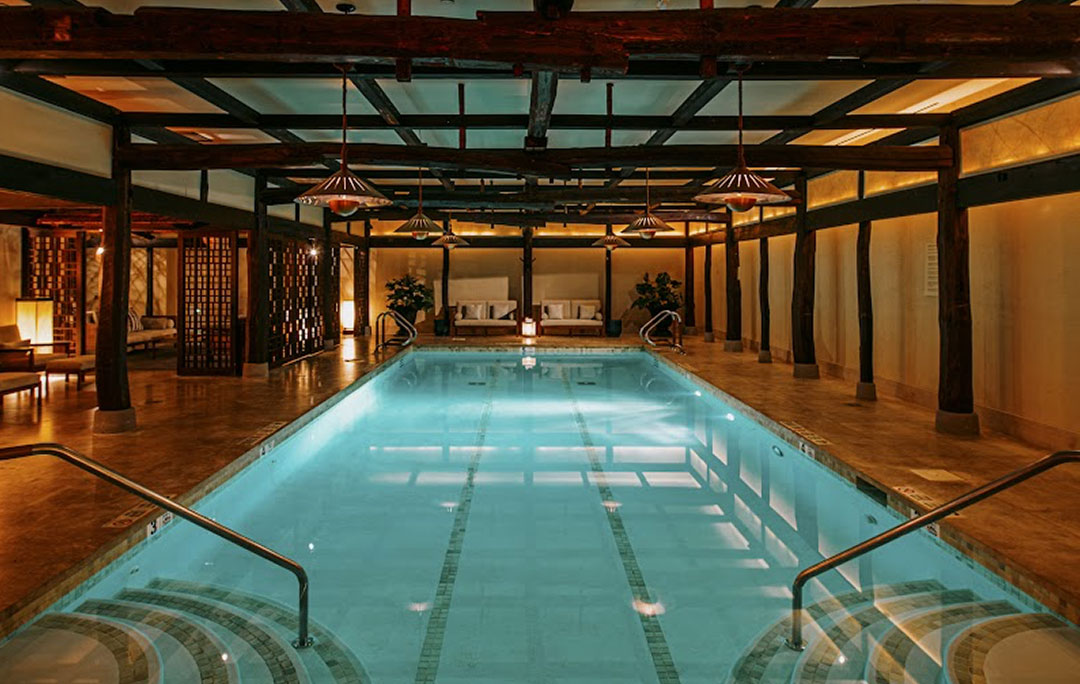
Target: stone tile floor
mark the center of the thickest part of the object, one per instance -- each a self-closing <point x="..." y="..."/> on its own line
<point x="55" y="521"/>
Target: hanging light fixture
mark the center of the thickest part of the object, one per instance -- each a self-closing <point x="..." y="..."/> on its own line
<point x="448" y="240"/>
<point x="742" y="189"/>
<point x="611" y="242"/>
<point x="648" y="225"/>
<point x="419" y="226"/>
<point x="343" y="192"/>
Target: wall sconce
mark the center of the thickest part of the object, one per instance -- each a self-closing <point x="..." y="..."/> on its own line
<point x="528" y="327"/>
<point x="99" y="251"/>
<point x="35" y="319"/>
<point x="348" y="315"/>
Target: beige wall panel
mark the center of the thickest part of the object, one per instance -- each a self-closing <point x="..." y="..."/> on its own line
<point x="38" y="132"/>
<point x="10" y="272"/>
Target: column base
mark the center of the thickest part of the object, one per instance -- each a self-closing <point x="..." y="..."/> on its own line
<point x="807" y="371"/>
<point x="112" y="422"/>
<point x="764" y="356"/>
<point x="963" y="424"/>
<point x="710" y="337"/>
<point x="733" y="345"/>
<point x="256" y="370"/>
<point x="366" y="332"/>
<point x="866" y="391"/>
<point x="329" y="345"/>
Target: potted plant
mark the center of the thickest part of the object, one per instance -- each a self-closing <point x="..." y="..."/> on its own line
<point x="408" y="296"/>
<point x="658" y="295"/>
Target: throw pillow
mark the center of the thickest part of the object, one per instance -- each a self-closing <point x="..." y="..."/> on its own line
<point x="586" y="311"/>
<point x="503" y="311"/>
<point x="473" y="312"/>
<point x="134" y="321"/>
<point x="554" y="311"/>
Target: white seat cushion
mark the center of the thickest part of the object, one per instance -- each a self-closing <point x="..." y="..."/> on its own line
<point x="485" y="323"/>
<point x="572" y="322"/>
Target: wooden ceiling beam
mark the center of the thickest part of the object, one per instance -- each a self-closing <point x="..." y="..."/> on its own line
<point x="558" y="163"/>
<point x="1031" y="34"/>
<point x="545" y="85"/>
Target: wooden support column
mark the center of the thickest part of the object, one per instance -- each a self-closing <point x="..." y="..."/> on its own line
<point x="362" y="278"/>
<point x="865" y="389"/>
<point x="733" y="292"/>
<point x="527" y="271"/>
<point x="802" y="296"/>
<point x="956" y="404"/>
<point x="607" y="285"/>
<point x="689" y="305"/>
<point x="446" y="277"/>
<point x="765" y="350"/>
<point x="257" y="362"/>
<point x="149" y="281"/>
<point x="115" y="412"/>
<point x="709" y="335"/>
<point x="328" y="289"/>
<point x="403" y="65"/>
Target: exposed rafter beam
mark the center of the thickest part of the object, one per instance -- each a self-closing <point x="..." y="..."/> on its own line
<point x="982" y="35"/>
<point x="301" y="5"/>
<point x="545" y="85"/>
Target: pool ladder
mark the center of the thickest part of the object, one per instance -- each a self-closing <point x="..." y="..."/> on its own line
<point x="676" y="330"/>
<point x="382" y="342"/>
<point x="974" y="496"/>
<point x="303" y="639"/>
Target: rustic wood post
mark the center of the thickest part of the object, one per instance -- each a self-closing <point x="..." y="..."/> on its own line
<point x="688" y="282"/>
<point x="866" y="389"/>
<point x="257" y="364"/>
<point x="149" y="281"/>
<point x="608" y="313"/>
<point x="956" y="403"/>
<point x="362" y="284"/>
<point x="765" y="350"/>
<point x="446" y="276"/>
<point x="710" y="336"/>
<point x="527" y="271"/>
<point x="331" y="319"/>
<point x="733" y="292"/>
<point x="802" y="296"/>
<point x="115" y="412"/>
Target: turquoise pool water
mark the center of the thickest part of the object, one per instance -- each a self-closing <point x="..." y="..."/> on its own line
<point x="533" y="517"/>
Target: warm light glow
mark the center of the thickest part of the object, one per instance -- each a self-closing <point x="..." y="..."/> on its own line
<point x="100" y="251"/>
<point x="314" y="251"/>
<point x="648" y="609"/>
<point x="528" y="327"/>
<point x="647" y="234"/>
<point x="740" y="203"/>
<point x="348" y="314"/>
<point x="343" y="207"/>
<point x="35" y="319"/>
<point x="528" y="362"/>
<point x="419" y="236"/>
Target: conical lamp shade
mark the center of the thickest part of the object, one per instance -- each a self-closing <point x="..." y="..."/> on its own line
<point x="742" y="189"/>
<point x="419" y="226"/>
<point x="611" y="242"/>
<point x="450" y="241"/>
<point x="343" y="193"/>
<point x="646" y="226"/>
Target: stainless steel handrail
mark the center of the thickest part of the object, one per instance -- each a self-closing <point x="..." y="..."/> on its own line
<point x="795" y="641"/>
<point x="676" y="334"/>
<point x="303" y="640"/>
<point x="380" y="330"/>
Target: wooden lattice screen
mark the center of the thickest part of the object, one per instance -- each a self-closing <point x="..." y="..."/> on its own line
<point x="207" y="324"/>
<point x="333" y="326"/>
<point x="360" y="288"/>
<point x="296" y="320"/>
<point x="54" y="267"/>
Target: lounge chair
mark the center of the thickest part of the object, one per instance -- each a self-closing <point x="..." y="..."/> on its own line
<point x="570" y="316"/>
<point x="502" y="316"/>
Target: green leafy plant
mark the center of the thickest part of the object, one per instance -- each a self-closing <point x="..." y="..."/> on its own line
<point x="408" y="295"/>
<point x="657" y="295"/>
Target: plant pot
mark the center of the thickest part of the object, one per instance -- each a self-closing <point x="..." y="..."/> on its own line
<point x="614" y="328"/>
<point x="442" y="327"/>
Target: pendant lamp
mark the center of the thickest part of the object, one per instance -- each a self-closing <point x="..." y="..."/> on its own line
<point x="419" y="226"/>
<point x="343" y="192"/>
<point x="742" y="189"/>
<point x="648" y="225"/>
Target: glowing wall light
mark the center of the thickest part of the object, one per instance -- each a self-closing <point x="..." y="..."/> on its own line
<point x="35" y="319"/>
<point x="348" y="314"/>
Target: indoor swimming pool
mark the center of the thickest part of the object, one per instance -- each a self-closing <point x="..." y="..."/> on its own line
<point x="528" y="516"/>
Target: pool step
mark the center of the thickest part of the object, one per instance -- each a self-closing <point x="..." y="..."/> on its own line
<point x="1047" y="647"/>
<point x="891" y="634"/>
<point x="178" y="632"/>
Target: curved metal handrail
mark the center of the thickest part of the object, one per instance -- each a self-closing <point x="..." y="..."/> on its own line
<point x="380" y="330"/>
<point x="303" y="640"/>
<point x="974" y="496"/>
<point x="652" y="323"/>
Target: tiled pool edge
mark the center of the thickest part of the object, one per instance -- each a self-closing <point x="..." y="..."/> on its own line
<point x="86" y="574"/>
<point x="1003" y="571"/>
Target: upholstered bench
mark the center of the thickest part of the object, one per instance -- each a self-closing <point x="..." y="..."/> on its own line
<point x="78" y="366"/>
<point x="20" y="382"/>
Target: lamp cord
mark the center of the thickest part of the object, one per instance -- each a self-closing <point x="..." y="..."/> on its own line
<point x="344" y="119"/>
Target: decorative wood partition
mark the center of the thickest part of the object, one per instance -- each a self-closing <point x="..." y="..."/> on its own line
<point x="296" y="319"/>
<point x="207" y="336"/>
<point x="333" y="326"/>
<point x="54" y="268"/>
